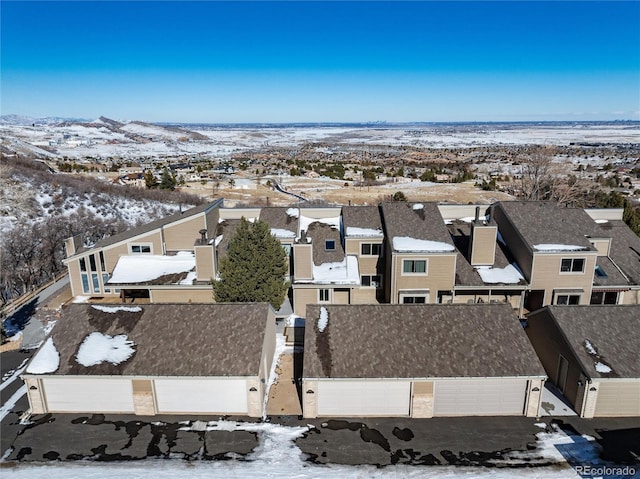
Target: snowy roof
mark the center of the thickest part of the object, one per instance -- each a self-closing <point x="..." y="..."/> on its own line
<point x="278" y="219"/>
<point x="421" y="224"/>
<point x="608" y="334"/>
<point x="150" y="268"/>
<point x="164" y="340"/>
<point x="417" y="341"/>
<point x="342" y="272"/>
<point x="542" y="223"/>
<point x="362" y="221"/>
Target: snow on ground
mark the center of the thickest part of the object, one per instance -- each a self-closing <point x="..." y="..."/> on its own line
<point x="507" y="275"/>
<point x="147" y="267"/>
<point x="115" y="309"/>
<point x="46" y="360"/>
<point x="278" y="456"/>
<point x="98" y="348"/>
<point x="558" y="247"/>
<point x="343" y="272"/>
<point x="294" y="320"/>
<point x="407" y="244"/>
<point x="11" y="402"/>
<point x="14" y="374"/>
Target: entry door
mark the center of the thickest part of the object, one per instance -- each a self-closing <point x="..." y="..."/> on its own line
<point x="563" y="368"/>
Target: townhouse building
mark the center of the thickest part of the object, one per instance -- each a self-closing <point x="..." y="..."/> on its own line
<point x="525" y="254"/>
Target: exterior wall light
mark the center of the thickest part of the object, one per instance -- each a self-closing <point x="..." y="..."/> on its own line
<point x="253" y="390"/>
<point x="310" y="391"/>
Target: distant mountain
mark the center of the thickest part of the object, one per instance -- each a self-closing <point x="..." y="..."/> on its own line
<point x="28" y="120"/>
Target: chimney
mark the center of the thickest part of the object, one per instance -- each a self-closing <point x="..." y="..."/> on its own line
<point x="482" y="242"/>
<point x="203" y="236"/>
<point x="72" y="244"/>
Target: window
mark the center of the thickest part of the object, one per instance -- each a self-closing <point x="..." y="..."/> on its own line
<point x="374" y="280"/>
<point x="414" y="266"/>
<point x="141" y="248"/>
<point x="323" y="295"/>
<point x="96" y="282"/>
<point x="92" y="262"/>
<point x="604" y="297"/>
<point x="572" y="265"/>
<point x="83" y="264"/>
<point x="600" y="272"/>
<point x="370" y="249"/>
<point x="103" y="265"/>
<point x="414" y="300"/>
<point x="568" y="299"/>
<point x="85" y="282"/>
<point x="329" y="245"/>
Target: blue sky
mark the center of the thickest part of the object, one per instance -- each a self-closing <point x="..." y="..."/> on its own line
<point x="321" y="61"/>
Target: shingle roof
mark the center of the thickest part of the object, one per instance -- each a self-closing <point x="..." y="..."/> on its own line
<point x="625" y="247"/>
<point x="417" y="341"/>
<point x="361" y="217"/>
<point x="277" y="217"/>
<point x="146" y="228"/>
<point x="612" y="277"/>
<point x="613" y="331"/>
<point x="227" y="229"/>
<point x="541" y="222"/>
<point x="170" y="339"/>
<point x="319" y="233"/>
<point x="426" y="223"/>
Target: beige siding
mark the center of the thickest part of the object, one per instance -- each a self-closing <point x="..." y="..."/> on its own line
<point x="143" y="398"/>
<point x="74" y="277"/>
<point x="34" y="393"/>
<point x="366" y="263"/>
<point x="619" y="398"/>
<point x="364" y="296"/>
<point x="205" y="269"/>
<point x="182" y="234"/>
<point x="483" y="245"/>
<point x="603" y="245"/>
<point x="534" y="398"/>
<point x="302" y="261"/>
<point x="182" y="295"/>
<point x="440" y="275"/>
<point x="340" y="296"/>
<point x="155" y="238"/>
<point x="630" y="297"/>
<point x="422" y="399"/>
<point x="547" y="275"/>
<point x="112" y="254"/>
<point x="310" y="399"/>
<point x="303" y="297"/>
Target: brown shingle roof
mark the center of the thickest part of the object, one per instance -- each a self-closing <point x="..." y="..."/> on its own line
<point x="277" y="217"/>
<point x="319" y="234"/>
<point x="361" y="217"/>
<point x="625" y="247"/>
<point x="417" y="341"/>
<point x="541" y="222"/>
<point x="613" y="331"/>
<point x="400" y="219"/>
<point x="170" y="339"/>
<point x="227" y="229"/>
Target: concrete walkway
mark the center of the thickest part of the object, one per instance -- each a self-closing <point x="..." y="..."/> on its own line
<point x="283" y="395"/>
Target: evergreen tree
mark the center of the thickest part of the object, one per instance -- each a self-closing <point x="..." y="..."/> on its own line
<point x="167" y="180"/>
<point x="254" y="268"/>
<point x="150" y="179"/>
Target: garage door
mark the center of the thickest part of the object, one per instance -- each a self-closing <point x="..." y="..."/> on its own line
<point x="363" y="398"/>
<point x="224" y="396"/>
<point x="618" y="398"/>
<point x="479" y="397"/>
<point x="88" y="395"/>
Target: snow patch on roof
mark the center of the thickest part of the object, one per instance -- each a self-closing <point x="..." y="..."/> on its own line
<point x="601" y="221"/>
<point x="115" y="309"/>
<point x="558" y="247"/>
<point x="412" y="245"/>
<point x="99" y="348"/>
<point x="323" y="320"/>
<point x="335" y="222"/>
<point x="417" y="206"/>
<point x="147" y="267"/>
<point x="507" y="275"/>
<point x="602" y="368"/>
<point x="365" y="232"/>
<point x="47" y="360"/>
<point x="191" y="277"/>
<point x="293" y="212"/>
<point x="282" y="233"/>
<point x="218" y="240"/>
<point x="343" y="272"/>
<point x="589" y="347"/>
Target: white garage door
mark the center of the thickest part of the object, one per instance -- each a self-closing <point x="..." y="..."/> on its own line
<point x="210" y="396"/>
<point x="88" y="395"/>
<point x="479" y="397"/>
<point x="618" y="398"/>
<point x="363" y="398"/>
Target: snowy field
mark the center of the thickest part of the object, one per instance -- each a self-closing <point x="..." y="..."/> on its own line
<point x="94" y="140"/>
